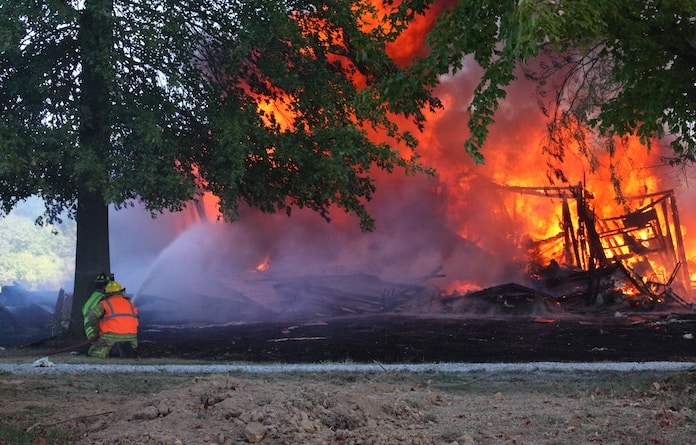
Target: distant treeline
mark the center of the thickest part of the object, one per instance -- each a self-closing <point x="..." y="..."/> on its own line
<point x="36" y="257"/>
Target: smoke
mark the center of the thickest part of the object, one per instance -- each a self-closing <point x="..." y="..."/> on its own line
<point x="209" y="270"/>
<point x="449" y="221"/>
<point x="459" y="222"/>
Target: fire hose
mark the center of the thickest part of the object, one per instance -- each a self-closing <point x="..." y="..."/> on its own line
<point x="68" y="348"/>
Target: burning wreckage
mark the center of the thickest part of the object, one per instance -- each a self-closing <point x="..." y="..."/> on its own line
<point x="634" y="261"/>
<point x="637" y="257"/>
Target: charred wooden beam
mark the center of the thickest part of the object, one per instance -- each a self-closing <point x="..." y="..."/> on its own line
<point x="546" y="192"/>
<point x="681" y="252"/>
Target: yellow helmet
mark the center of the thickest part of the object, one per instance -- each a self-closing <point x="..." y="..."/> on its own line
<point x="113" y="287"/>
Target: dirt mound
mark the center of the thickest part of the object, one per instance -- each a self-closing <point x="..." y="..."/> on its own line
<point x="224" y="409"/>
<point x="353" y="408"/>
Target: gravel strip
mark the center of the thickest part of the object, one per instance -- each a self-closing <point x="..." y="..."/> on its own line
<point x="45" y="366"/>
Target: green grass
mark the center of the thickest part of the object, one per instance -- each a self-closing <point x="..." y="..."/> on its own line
<point x="17" y="434"/>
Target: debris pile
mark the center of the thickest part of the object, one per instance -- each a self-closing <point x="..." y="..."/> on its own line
<point x="26" y="316"/>
<point x="636" y="260"/>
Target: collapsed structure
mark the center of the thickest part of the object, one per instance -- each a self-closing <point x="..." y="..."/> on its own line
<point x="636" y="257"/>
<point x="643" y="249"/>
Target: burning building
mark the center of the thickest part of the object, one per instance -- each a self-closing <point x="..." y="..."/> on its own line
<point x="597" y="225"/>
<point x="550" y="239"/>
<point x="600" y="224"/>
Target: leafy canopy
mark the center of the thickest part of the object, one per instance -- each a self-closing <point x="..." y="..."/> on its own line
<point x="260" y="101"/>
<point x="628" y="66"/>
<point x="39" y="258"/>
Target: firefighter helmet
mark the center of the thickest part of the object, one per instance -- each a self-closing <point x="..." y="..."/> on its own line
<point x="102" y="280"/>
<point x="113" y="287"/>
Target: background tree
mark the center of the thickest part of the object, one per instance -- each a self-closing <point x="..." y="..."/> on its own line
<point x="622" y="68"/>
<point x="37" y="257"/>
<point x="107" y="102"/>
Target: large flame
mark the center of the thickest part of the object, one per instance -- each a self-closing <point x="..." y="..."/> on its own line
<point x="511" y="210"/>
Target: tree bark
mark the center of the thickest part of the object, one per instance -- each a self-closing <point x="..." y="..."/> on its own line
<point x="92" y="251"/>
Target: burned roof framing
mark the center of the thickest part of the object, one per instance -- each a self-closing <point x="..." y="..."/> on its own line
<point x="645" y="244"/>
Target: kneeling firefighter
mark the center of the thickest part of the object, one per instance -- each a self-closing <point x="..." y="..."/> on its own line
<point x="99" y="285"/>
<point x="113" y="324"/>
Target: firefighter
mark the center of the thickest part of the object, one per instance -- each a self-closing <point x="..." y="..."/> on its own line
<point x="94" y="299"/>
<point x="113" y="324"/>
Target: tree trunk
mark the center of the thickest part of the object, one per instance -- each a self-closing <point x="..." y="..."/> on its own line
<point x="92" y="253"/>
<point x="96" y="43"/>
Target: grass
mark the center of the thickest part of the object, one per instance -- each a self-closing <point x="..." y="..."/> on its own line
<point x="19" y="432"/>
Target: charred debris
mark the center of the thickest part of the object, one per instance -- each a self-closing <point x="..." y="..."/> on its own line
<point x="26" y="316"/>
<point x="635" y="261"/>
<point x="637" y="257"/>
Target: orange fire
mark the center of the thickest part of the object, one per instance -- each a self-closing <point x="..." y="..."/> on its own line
<point x="458" y="287"/>
<point x="484" y="203"/>
<point x="264" y="265"/>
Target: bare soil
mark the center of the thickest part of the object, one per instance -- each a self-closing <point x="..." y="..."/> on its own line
<point x="371" y="407"/>
<point x="350" y="408"/>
